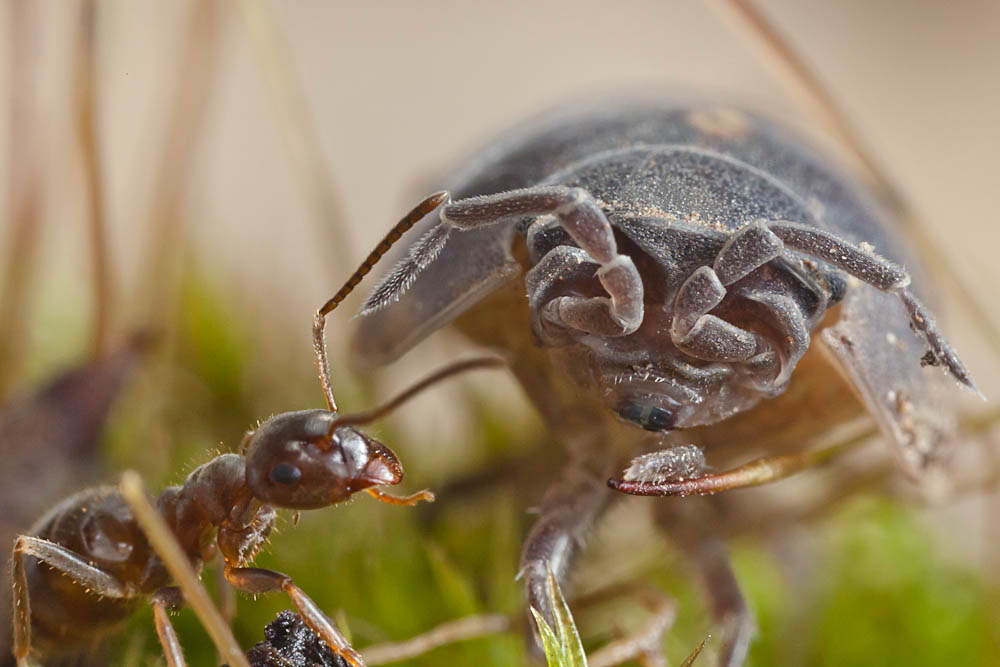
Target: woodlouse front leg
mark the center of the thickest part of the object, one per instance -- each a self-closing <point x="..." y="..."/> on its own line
<point x="554" y="275"/>
<point x="881" y="274"/>
<point x="761" y="241"/>
<point x="585" y="222"/>
<point x="705" y="336"/>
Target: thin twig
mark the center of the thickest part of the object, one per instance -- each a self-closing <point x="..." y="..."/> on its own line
<point x="801" y="82"/>
<point x="192" y="88"/>
<point x="470" y="627"/>
<point x="297" y="127"/>
<point x="24" y="171"/>
<point x="177" y="564"/>
<point x="89" y="135"/>
<point x="648" y="641"/>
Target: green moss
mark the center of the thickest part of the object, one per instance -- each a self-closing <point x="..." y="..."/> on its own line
<point x="880" y="593"/>
<point x="890" y="598"/>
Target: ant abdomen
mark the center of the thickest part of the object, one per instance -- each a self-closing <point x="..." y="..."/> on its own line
<point x="97" y="524"/>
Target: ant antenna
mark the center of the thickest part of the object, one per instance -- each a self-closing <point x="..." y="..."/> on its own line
<point x="362" y="418"/>
<point x="419" y="212"/>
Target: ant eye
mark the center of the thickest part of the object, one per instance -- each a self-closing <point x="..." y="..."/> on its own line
<point x="648" y="417"/>
<point x="285" y="473"/>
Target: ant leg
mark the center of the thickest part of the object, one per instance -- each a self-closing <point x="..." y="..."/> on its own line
<point x="255" y="580"/>
<point x="881" y="274"/>
<point x="223" y="591"/>
<point x="62" y="559"/>
<point x="169" y="598"/>
<point x="582" y="218"/>
<point x="568" y="510"/>
<point x="689" y="525"/>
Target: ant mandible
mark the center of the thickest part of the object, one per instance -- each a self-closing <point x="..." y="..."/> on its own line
<point x="95" y="557"/>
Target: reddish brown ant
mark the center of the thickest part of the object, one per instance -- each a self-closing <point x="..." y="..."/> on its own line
<point x="95" y="557"/>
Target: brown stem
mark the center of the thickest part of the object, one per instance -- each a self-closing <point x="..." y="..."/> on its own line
<point x="647" y="642"/>
<point x="165" y="544"/>
<point x="88" y="134"/>
<point x="458" y="630"/>
<point x="25" y="186"/>
<point x="296" y="125"/>
<point x="189" y="98"/>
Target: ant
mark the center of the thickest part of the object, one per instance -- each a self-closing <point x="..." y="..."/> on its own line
<point x="95" y="557"/>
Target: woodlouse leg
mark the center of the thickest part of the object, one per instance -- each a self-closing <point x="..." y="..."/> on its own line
<point x="881" y="274"/>
<point x="62" y="559"/>
<point x="163" y="600"/>
<point x="255" y="580"/>
<point x="568" y="510"/>
<point x="706" y="336"/>
<point x="747" y="249"/>
<point x="585" y="222"/>
<point x="689" y="525"/>
<point x="553" y="276"/>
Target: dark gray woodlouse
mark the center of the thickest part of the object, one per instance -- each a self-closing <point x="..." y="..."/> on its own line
<point x="680" y="262"/>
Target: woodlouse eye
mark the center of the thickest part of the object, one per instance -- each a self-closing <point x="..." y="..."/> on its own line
<point x="285" y="473"/>
<point x="649" y="417"/>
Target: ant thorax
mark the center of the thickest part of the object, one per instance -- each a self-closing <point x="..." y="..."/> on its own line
<point x="215" y="495"/>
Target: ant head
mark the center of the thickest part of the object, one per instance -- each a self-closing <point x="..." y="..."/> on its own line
<point x="293" y="460"/>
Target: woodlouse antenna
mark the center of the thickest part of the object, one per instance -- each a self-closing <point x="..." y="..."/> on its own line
<point x="419" y="212"/>
<point x="754" y="473"/>
<point x="362" y="418"/>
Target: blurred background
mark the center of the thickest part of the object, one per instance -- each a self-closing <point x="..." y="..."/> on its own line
<point x="207" y="173"/>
